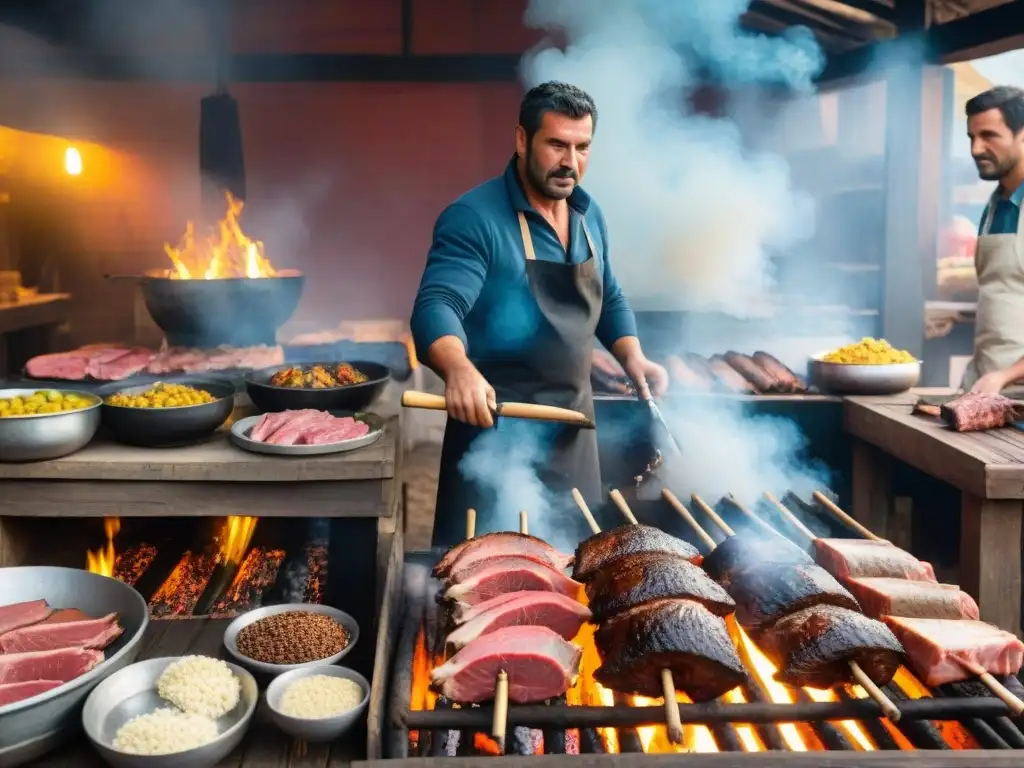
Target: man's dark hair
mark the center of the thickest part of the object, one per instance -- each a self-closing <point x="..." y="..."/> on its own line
<point x="554" y="96"/>
<point x="1007" y="99"/>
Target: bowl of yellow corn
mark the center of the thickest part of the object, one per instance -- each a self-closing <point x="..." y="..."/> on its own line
<point x="867" y="367"/>
<point x="167" y="413"/>
<point x="41" y="424"/>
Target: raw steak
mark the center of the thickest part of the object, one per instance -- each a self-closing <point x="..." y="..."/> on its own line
<point x="23" y="614"/>
<point x="636" y="579"/>
<point x="463" y="612"/>
<point x="524" y="575"/>
<point x="291" y="430"/>
<point x="91" y="633"/>
<point x="271" y="422"/>
<point x="539" y="663"/>
<point x="461" y="573"/>
<point x="115" y="364"/>
<point x="502" y="543"/>
<point x="63" y="664"/>
<point x="766" y="593"/>
<point x="539" y="609"/>
<point x="602" y="549"/>
<point x="71" y="366"/>
<point x="940" y="648"/>
<point x="912" y="599"/>
<point x="856" y="558"/>
<point x="814" y="647"/>
<point x="12" y="692"/>
<point x="679" y="635"/>
<point x="334" y="431"/>
<point x="976" y="411"/>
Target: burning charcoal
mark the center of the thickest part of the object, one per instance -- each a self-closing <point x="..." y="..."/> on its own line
<point x="554" y="739"/>
<point x="874" y="727"/>
<point x="769" y="734"/>
<point x="133" y="562"/>
<point x="255" y="576"/>
<point x="181" y="591"/>
<point x="831" y="737"/>
<point x="1002" y="727"/>
<point x="923" y="734"/>
<point x="629" y="741"/>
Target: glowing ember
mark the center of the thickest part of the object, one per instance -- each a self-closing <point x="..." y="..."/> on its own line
<point x="316" y="574"/>
<point x="178" y="595"/>
<point x="133" y="562"/>
<point x="256" y="574"/>
<point x="102" y="560"/>
<point x="226" y="253"/>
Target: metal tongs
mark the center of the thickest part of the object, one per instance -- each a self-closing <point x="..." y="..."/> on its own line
<point x="658" y="417"/>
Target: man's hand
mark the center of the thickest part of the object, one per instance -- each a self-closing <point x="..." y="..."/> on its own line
<point x="649" y="378"/>
<point x="469" y="397"/>
<point x="992" y="383"/>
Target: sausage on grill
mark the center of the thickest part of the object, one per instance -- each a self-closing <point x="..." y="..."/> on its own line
<point x="785" y="378"/>
<point x="728" y="378"/>
<point x="758" y="377"/>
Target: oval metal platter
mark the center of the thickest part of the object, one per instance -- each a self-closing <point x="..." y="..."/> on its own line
<point x="241" y="428"/>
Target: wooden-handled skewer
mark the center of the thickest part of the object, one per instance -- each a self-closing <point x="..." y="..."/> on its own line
<point x="890" y="710"/>
<point x="413" y="399"/>
<point x="673" y="722"/>
<point x="998" y="690"/>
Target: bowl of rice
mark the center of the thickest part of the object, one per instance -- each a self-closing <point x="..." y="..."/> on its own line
<point x="179" y="712"/>
<point x="318" y="704"/>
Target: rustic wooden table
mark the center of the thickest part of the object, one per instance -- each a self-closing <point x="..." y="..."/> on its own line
<point x="26" y="327"/>
<point x="987" y="468"/>
<point x="264" y="746"/>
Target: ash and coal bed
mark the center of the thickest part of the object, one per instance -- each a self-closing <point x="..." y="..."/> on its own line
<point x="759" y="716"/>
<point x="216" y="567"/>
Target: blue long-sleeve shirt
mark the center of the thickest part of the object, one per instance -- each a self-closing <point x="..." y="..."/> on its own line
<point x="475" y="287"/>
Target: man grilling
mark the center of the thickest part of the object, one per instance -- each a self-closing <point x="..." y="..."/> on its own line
<point x="516" y="288"/>
<point x="995" y="125"/>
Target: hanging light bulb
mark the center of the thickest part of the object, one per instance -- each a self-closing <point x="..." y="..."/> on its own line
<point x="72" y="161"/>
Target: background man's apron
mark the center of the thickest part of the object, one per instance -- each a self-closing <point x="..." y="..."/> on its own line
<point x="999" y="325"/>
<point x="553" y="369"/>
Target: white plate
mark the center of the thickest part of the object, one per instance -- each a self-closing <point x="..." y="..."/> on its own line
<point x="241" y="428"/>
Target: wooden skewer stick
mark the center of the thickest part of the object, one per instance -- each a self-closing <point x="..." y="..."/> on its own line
<point x="828" y="504"/>
<point x="750" y="515"/>
<point x="676" y="504"/>
<point x="890" y="710"/>
<point x="790" y="517"/>
<point x="470" y="523"/>
<point x="1000" y="691"/>
<point x="673" y="723"/>
<point x="620" y="501"/>
<point x="524" y="526"/>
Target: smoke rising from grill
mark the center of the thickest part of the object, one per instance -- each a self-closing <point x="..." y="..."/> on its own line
<point x="693" y="216"/>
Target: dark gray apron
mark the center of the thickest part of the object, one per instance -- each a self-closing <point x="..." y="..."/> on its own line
<point x="555" y="370"/>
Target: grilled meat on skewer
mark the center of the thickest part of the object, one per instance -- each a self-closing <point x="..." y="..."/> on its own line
<point x="511" y="574"/>
<point x="757" y="376"/>
<point x="728" y="378"/>
<point x="814" y="647"/>
<point x="786" y="380"/>
<point x="767" y="592"/>
<point x="545" y="609"/>
<point x="912" y="599"/>
<point x="501" y="543"/>
<point x="602" y="549"/>
<point x="745" y="550"/>
<point x="641" y="578"/>
<point x="679" y="635"/>
<point x="856" y="558"/>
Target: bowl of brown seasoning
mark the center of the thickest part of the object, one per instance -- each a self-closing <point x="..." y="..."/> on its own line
<point x="280" y="638"/>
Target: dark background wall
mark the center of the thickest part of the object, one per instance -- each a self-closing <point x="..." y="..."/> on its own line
<point x="345" y="179"/>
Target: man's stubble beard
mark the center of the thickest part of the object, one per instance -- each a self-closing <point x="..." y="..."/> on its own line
<point x="537" y="178"/>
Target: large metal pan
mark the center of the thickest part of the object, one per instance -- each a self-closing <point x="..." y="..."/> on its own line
<point x="239" y="311"/>
<point x="353" y="397"/>
<point x="168" y="427"/>
<point x="32" y="727"/>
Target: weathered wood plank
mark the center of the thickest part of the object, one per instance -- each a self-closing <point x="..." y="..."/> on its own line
<point x="214" y="460"/>
<point x="872" y="487"/>
<point x="990" y="558"/>
<point x="89" y="498"/>
<point x="33" y="311"/>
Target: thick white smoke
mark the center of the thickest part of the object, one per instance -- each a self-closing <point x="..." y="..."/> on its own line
<point x="693" y="217"/>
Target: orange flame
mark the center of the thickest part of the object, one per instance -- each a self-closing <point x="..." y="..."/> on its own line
<point x="234" y="538"/>
<point x="102" y="560"/>
<point x="227" y="253"/>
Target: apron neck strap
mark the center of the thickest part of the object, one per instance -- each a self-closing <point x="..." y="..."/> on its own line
<point x="531" y="255"/>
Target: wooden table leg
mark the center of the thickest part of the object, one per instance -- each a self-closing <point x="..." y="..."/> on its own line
<point x="872" y="487"/>
<point x="990" y="558"/>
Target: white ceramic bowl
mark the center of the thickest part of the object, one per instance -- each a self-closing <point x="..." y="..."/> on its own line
<point x="315" y="729"/>
<point x="231" y="636"/>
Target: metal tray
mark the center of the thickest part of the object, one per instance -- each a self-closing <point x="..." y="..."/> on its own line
<point x="240" y="437"/>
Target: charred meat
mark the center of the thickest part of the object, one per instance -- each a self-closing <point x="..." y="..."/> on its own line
<point x="686" y="377"/>
<point x="977" y="411"/>
<point x="641" y="578"/>
<point x="757" y="376"/>
<point x="785" y="379"/>
<point x="502" y="543"/>
<point x="680" y="635"/>
<point x="745" y="550"/>
<point x="765" y="593"/>
<point x="814" y="647"/>
<point x="601" y="549"/>
<point x="728" y="378"/>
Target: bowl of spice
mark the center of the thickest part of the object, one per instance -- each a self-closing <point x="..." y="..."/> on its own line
<point x="868" y="367"/>
<point x="319" y="703"/>
<point x="280" y="638"/>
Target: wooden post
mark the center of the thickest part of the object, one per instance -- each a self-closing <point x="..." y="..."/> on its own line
<point x="872" y="487"/>
<point x="990" y="558"/>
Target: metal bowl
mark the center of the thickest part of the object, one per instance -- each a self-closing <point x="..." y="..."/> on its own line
<point x="231" y="636"/>
<point x="132" y="692"/>
<point x="47" y="435"/>
<point x="352" y="397"/>
<point x="319" y="729"/>
<point x="165" y="427"/>
<point x="32" y="727"/>
<point x="848" y="379"/>
<point x="241" y="428"/>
